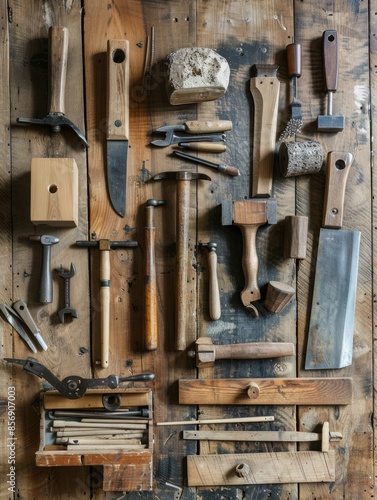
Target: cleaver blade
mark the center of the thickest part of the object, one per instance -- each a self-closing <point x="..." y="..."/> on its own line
<point x="330" y="336"/>
<point x="117" y="134"/>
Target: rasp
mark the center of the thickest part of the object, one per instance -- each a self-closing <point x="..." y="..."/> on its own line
<point x="117" y="134"/>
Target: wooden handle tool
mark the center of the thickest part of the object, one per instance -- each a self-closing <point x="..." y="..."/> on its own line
<point x="208" y="126"/>
<point x="214" y="294"/>
<point x="58" y="56"/>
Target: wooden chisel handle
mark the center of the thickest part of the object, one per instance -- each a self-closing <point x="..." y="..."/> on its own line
<point x="254" y="350"/>
<point x="337" y="171"/>
<point x="150" y="283"/>
<point x="118" y="91"/>
<point x="214" y="294"/>
<point x="105" y="305"/>
<point x="209" y="147"/>
<point x="57" y="67"/>
<point x="294" y="60"/>
<point x="330" y="59"/>
<point x="208" y="126"/>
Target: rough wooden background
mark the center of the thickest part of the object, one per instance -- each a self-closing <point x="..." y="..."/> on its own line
<point x="245" y="32"/>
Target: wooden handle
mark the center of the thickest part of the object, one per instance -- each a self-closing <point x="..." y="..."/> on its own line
<point x="337" y="170"/>
<point x="57" y="67"/>
<point x="278" y="295"/>
<point x="150" y="283"/>
<point x="118" y="72"/>
<point x="265" y="91"/>
<point x="294" y="59"/>
<point x="295" y="236"/>
<point x="254" y="350"/>
<point x="209" y="147"/>
<point x="330" y="59"/>
<point x="183" y="206"/>
<point x="208" y="126"/>
<point x="105" y="306"/>
<point x="214" y="294"/>
<point x="250" y="292"/>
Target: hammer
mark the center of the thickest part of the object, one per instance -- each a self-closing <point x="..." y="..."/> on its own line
<point x="45" y="286"/>
<point x="207" y="353"/>
<point x="150" y="282"/>
<point x="57" y="66"/>
<point x="104" y="271"/>
<point x="183" y="179"/>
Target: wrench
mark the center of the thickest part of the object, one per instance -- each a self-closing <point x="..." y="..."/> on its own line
<point x="67" y="309"/>
<point x="172" y="138"/>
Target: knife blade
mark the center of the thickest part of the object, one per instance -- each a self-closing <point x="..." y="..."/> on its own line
<point x="330" y="338"/>
<point x="117" y="134"/>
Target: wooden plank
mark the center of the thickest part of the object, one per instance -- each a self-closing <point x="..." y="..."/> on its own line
<point x="269" y="436"/>
<point x="261" y="468"/>
<point x="305" y="391"/>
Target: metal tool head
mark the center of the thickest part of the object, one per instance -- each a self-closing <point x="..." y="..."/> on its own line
<point x="67" y="274"/>
<point x="211" y="245"/>
<point x="172" y="138"/>
<point x="155" y="203"/>
<point x="169" y="134"/>
<point x="181" y="175"/>
<point x="330" y="123"/>
<point x="45" y="239"/>
<point x="67" y="311"/>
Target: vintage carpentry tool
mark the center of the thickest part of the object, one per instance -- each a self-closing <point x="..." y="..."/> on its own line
<point x="104" y="247"/>
<point x="150" y="281"/>
<point x="192" y="131"/>
<point x="330" y="123"/>
<point x="207" y="352"/>
<point x="227" y="169"/>
<point x="45" y="284"/>
<point x="117" y="133"/>
<point x="20" y="319"/>
<point x="294" y="124"/>
<point x="57" y="65"/>
<point x="67" y="309"/>
<point x="214" y="292"/>
<point x="209" y="147"/>
<point x="330" y="337"/>
<point x="183" y="179"/>
<point x="74" y="386"/>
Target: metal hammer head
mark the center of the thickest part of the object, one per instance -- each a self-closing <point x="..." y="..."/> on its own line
<point x="249" y="212"/>
<point x="330" y="123"/>
<point x="155" y="203"/>
<point x="169" y="134"/>
<point x="181" y="175"/>
<point x="45" y="239"/>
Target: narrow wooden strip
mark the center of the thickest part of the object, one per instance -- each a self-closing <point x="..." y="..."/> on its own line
<point x="109" y="421"/>
<point x="99" y="448"/>
<point x="260" y="468"/>
<point x="96" y="432"/>
<point x="100" y="441"/>
<point x="220" y="421"/>
<point x="270" y="391"/>
<point x="125" y="425"/>
<point x="270" y="436"/>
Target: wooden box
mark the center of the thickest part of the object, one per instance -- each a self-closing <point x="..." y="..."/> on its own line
<point x="123" y="469"/>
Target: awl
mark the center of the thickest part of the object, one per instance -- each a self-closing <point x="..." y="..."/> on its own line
<point x="330" y="338"/>
<point x="117" y="133"/>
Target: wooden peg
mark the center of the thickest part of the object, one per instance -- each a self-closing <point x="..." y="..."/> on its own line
<point x="295" y="236"/>
<point x="278" y="296"/>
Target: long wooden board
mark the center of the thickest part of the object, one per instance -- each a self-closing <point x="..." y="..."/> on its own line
<point x="278" y="391"/>
<point x="261" y="468"/>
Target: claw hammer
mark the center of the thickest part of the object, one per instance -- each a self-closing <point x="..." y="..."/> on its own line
<point x="104" y="247"/>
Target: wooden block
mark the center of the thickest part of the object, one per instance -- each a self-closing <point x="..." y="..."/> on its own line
<point x="54" y="192"/>
<point x="53" y="400"/>
<point x="278" y="296"/>
<point x="295" y="236"/>
<point x="261" y="468"/>
<point x="266" y="391"/>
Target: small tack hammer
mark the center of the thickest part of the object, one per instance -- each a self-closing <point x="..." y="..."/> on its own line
<point x="104" y="247"/>
<point x="182" y="179"/>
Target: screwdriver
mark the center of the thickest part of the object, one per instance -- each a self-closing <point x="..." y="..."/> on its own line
<point x="227" y="169"/>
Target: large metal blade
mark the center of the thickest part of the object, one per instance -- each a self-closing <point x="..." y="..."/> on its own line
<point x="117" y="174"/>
<point x="330" y="340"/>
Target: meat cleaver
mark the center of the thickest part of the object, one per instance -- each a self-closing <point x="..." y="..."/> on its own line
<point x="330" y="337"/>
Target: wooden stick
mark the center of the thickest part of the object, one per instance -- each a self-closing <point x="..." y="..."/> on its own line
<point x="220" y="421"/>
<point x="100" y="448"/>
<point x="92" y="432"/>
<point x="265" y="436"/>
<point x="101" y="441"/>
<point x="110" y="421"/>
<point x="125" y="425"/>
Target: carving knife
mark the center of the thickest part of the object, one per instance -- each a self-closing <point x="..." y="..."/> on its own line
<point x="330" y="339"/>
<point x="117" y="133"/>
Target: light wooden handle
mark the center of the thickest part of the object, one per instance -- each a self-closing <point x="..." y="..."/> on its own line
<point x="250" y="292"/>
<point x="265" y="91"/>
<point x="209" y="147"/>
<point x="254" y="350"/>
<point x="105" y="306"/>
<point x="214" y="294"/>
<point x="57" y="67"/>
<point x="150" y="283"/>
<point x="204" y="127"/>
<point x="118" y="73"/>
<point x="337" y="170"/>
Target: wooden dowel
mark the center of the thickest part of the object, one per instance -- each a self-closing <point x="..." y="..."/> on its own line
<point x="101" y="442"/>
<point x="125" y="425"/>
<point x="92" y="432"/>
<point x="220" y="421"/>
<point x="101" y="448"/>
<point x="110" y="421"/>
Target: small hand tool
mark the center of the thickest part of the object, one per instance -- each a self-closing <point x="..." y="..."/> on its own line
<point x="209" y="147"/>
<point x="67" y="275"/>
<point x="74" y="386"/>
<point x="330" y="337"/>
<point x="58" y="54"/>
<point x="105" y="246"/>
<point x="294" y="124"/>
<point x="117" y="134"/>
<point x="192" y="131"/>
<point x="227" y="169"/>
<point x="183" y="179"/>
<point x="330" y="123"/>
<point x="207" y="352"/>
<point x="150" y="281"/>
<point x="15" y="321"/>
<point x="45" y="286"/>
<point x="23" y="311"/>
<point x="214" y="294"/>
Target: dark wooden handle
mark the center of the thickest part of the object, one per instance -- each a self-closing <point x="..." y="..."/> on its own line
<point x="294" y="59"/>
<point x="57" y="67"/>
<point x="330" y="59"/>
